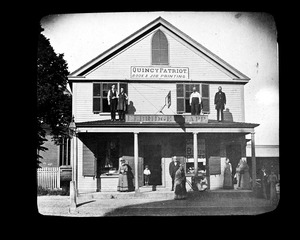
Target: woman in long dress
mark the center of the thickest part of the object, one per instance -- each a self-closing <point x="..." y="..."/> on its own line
<point x="122" y="104"/>
<point x="227" y="184"/>
<point x="243" y="170"/>
<point x="272" y="180"/>
<point x="180" y="181"/>
<point x="124" y="184"/>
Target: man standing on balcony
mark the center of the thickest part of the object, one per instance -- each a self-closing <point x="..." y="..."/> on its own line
<point x="112" y="98"/>
<point x="195" y="101"/>
<point x="220" y="101"/>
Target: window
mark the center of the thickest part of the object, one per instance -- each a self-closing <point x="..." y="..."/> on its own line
<point x="100" y="91"/>
<point x="160" y="52"/>
<point x="183" y="97"/>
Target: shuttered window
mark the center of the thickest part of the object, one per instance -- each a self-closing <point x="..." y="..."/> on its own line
<point x="184" y="91"/>
<point x="89" y="159"/>
<point x="96" y="97"/>
<point x="160" y="52"/>
<point x="205" y="98"/>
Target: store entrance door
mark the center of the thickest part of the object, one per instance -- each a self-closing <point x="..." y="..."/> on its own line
<point x="233" y="153"/>
<point x="152" y="158"/>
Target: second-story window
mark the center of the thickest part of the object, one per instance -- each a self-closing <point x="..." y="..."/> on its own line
<point x="160" y="52"/>
<point x="184" y="91"/>
<point x="100" y="91"/>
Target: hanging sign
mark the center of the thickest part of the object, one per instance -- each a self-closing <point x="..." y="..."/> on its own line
<point x="152" y="72"/>
<point x="154" y="118"/>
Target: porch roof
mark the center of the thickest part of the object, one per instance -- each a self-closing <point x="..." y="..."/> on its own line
<point x="212" y="126"/>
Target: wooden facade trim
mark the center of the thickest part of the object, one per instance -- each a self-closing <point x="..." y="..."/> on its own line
<point x="163" y="130"/>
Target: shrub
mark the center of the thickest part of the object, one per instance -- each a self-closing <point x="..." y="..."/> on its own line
<point x="46" y="191"/>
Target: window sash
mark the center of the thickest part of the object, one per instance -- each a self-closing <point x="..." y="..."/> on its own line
<point x="160" y="49"/>
<point x="184" y="90"/>
<point x="100" y="91"/>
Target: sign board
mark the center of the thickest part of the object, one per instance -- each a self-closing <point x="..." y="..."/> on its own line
<point x="190" y="148"/>
<point x="151" y="72"/>
<point x="155" y="118"/>
<point x="214" y="165"/>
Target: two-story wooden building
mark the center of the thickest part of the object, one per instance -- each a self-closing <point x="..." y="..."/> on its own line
<point x="157" y="65"/>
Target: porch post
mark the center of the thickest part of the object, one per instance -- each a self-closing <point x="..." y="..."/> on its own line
<point x="73" y="191"/>
<point x="195" y="144"/>
<point x="253" y="160"/>
<point x="136" y="161"/>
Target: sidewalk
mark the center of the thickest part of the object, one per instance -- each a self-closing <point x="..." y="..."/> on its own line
<point x="150" y="206"/>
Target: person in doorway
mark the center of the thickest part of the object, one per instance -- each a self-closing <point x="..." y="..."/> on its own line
<point x="220" y="101"/>
<point x="227" y="184"/>
<point x="272" y="180"/>
<point x="112" y="98"/>
<point x="125" y="178"/>
<point x="122" y="104"/>
<point x="263" y="179"/>
<point x="147" y="174"/>
<point x="243" y="170"/>
<point x="180" y="181"/>
<point x="195" y="102"/>
<point x="173" y="167"/>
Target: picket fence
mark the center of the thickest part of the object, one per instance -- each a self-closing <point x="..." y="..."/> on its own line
<point x="49" y="177"/>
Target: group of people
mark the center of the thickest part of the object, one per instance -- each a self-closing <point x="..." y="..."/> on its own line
<point x="242" y="179"/>
<point x="219" y="101"/>
<point x="117" y="102"/>
<point x="268" y="185"/>
<point x="177" y="173"/>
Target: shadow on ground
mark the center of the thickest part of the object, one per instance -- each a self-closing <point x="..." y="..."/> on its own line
<point x="196" y="204"/>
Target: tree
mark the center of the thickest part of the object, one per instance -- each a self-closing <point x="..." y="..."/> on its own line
<point x="53" y="104"/>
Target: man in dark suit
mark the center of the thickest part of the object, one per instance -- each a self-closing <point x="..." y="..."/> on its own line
<point x="173" y="167"/>
<point x="220" y="101"/>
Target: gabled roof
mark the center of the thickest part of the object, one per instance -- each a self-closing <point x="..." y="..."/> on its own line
<point x="131" y="39"/>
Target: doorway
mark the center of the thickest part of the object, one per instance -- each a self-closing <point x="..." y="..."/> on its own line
<point x="234" y="154"/>
<point x="152" y="158"/>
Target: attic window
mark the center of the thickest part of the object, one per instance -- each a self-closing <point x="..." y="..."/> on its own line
<point x="160" y="52"/>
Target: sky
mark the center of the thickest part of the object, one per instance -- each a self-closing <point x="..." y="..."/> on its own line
<point x="245" y="40"/>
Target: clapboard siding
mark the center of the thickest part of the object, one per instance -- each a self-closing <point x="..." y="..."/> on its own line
<point x="180" y="55"/>
<point x="148" y="98"/>
<point x="83" y="103"/>
<point x="235" y="101"/>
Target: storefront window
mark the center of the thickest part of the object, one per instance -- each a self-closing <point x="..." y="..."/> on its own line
<point x="110" y="157"/>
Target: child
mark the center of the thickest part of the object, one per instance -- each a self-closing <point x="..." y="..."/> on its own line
<point x="147" y="175"/>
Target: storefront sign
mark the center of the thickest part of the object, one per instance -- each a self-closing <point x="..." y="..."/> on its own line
<point x="159" y="72"/>
<point x="166" y="118"/>
<point x="190" y="148"/>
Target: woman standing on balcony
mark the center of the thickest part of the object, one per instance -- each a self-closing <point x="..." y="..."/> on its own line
<point x="122" y="104"/>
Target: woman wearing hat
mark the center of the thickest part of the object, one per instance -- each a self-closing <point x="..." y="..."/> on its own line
<point x="125" y="183"/>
